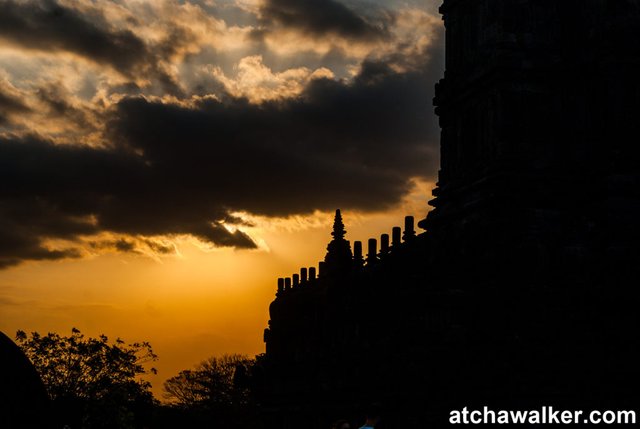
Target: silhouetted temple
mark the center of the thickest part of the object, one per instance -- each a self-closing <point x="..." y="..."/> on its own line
<point x="524" y="290"/>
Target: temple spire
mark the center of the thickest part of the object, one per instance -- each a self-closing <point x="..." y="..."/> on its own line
<point x="338" y="227"/>
<point x="338" y="258"/>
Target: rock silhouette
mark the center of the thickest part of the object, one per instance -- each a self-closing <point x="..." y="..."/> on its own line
<point x="24" y="403"/>
<point x="523" y="291"/>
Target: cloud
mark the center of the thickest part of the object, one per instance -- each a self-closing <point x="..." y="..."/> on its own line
<point x="350" y="144"/>
<point x="397" y="31"/>
<point x="19" y="244"/>
<point x="151" y="247"/>
<point x="125" y="170"/>
<point x="257" y="82"/>
<point x="64" y="192"/>
<point x="326" y="17"/>
<point x="50" y="26"/>
<point x="11" y="102"/>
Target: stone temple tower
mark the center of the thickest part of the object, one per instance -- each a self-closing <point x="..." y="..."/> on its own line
<point x="536" y="211"/>
<point x="539" y="114"/>
<point x="523" y="292"/>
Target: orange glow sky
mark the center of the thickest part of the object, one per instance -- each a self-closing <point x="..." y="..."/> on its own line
<point x="199" y="304"/>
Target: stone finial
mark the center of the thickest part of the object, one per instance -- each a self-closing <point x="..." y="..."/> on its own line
<point x="296" y="280"/>
<point x="396" y="235"/>
<point x="384" y="244"/>
<point x="303" y="275"/>
<point x="409" y="230"/>
<point x="357" y="254"/>
<point x="287" y="283"/>
<point x="312" y="273"/>
<point x="372" y="256"/>
<point x="280" y="286"/>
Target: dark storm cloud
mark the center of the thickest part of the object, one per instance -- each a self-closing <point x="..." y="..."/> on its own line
<point x="24" y="219"/>
<point x="63" y="192"/>
<point x="184" y="167"/>
<point x="46" y="25"/>
<point x="18" y="243"/>
<point x="349" y="145"/>
<point x="323" y="17"/>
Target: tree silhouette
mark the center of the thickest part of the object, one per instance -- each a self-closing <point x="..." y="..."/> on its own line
<point x="92" y="383"/>
<point x="219" y="390"/>
<point x="215" y="384"/>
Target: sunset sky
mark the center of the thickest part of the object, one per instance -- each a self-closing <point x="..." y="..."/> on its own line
<point x="162" y="162"/>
